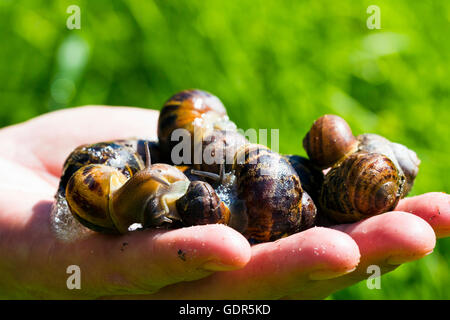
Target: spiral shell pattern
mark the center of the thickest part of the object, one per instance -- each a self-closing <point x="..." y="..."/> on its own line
<point x="271" y="191"/>
<point x="362" y="185"/>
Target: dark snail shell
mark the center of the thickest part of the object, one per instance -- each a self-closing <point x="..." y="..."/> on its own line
<point x="201" y="205"/>
<point x="189" y="109"/>
<point x="271" y="191"/>
<point x="310" y="176"/>
<point x="329" y="140"/>
<point x="116" y="155"/>
<point x="361" y="185"/>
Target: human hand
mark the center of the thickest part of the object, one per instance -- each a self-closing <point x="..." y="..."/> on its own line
<point x="311" y="264"/>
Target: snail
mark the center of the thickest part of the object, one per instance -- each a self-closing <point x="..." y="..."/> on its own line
<point x="361" y="185"/>
<point x="271" y="191"/>
<point x="329" y="139"/>
<point x="263" y="194"/>
<point x="366" y="177"/>
<point x="103" y="199"/>
<point x="203" y="119"/>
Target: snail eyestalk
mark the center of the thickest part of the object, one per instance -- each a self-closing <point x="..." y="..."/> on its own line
<point x="148" y="159"/>
<point x="206" y="174"/>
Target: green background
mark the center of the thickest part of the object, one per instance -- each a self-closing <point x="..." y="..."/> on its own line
<point x="275" y="64"/>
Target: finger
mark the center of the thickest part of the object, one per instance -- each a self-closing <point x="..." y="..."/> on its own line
<point x="387" y="241"/>
<point x="433" y="207"/>
<point x="142" y="262"/>
<point x="276" y="268"/>
<point x="137" y="262"/>
<point x="44" y="142"/>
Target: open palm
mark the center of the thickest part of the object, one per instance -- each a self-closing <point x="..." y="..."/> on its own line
<point x="201" y="262"/>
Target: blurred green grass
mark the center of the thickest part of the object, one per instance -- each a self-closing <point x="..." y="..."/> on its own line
<point x="274" y="64"/>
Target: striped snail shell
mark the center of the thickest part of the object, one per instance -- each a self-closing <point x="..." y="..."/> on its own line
<point x="329" y="140"/>
<point x="105" y="200"/>
<point x="201" y="205"/>
<point x="361" y="185"/>
<point x="191" y="110"/>
<point x="405" y="159"/>
<point x="271" y="191"/>
<point x="88" y="195"/>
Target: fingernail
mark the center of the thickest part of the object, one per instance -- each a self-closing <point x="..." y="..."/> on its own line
<point x="217" y="266"/>
<point x="328" y="274"/>
<point x="395" y="261"/>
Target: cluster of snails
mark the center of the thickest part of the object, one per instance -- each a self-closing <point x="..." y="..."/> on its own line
<point x="110" y="186"/>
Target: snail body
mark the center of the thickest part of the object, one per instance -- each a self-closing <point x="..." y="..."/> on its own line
<point x="149" y="197"/>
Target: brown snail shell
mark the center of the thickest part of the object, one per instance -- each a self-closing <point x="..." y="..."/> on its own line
<point x="139" y="145"/>
<point x="188" y="110"/>
<point x="88" y="195"/>
<point x="329" y="140"/>
<point x="405" y="159"/>
<point x="201" y="205"/>
<point x="361" y="185"/>
<point x="271" y="191"/>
